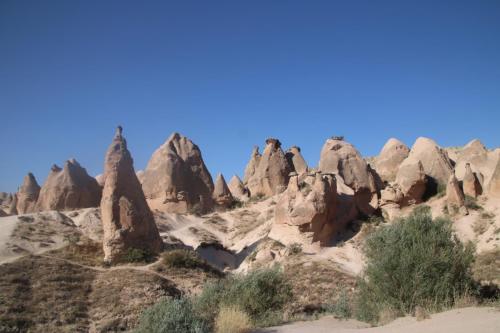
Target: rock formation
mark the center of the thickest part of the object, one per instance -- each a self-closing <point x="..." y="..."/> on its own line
<point x="176" y="179"/>
<point x="238" y="190"/>
<point x="390" y="158"/>
<point x="455" y="200"/>
<point x="271" y="173"/>
<point x="68" y="188"/>
<point x="341" y="158"/>
<point x="481" y="161"/>
<point x="411" y="181"/>
<point x="295" y="159"/>
<point x="27" y="195"/>
<point x="252" y="164"/>
<point x="310" y="205"/>
<point x="437" y="166"/>
<point x="100" y="179"/>
<point x="127" y="220"/>
<point x="222" y="195"/>
<point x="494" y="184"/>
<point x="140" y="175"/>
<point x="13" y="206"/>
<point x="470" y="183"/>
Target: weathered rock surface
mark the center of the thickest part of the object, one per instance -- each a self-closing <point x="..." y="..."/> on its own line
<point x="176" y="179"/>
<point x="481" y="161"/>
<point x="140" y="175"/>
<point x="390" y="158"/>
<point x="238" y="190"/>
<point x="13" y="206"/>
<point x="342" y="159"/>
<point x="494" y="184"/>
<point x="296" y="160"/>
<point x="27" y="195"/>
<point x="455" y="200"/>
<point x="470" y="183"/>
<point x="434" y="160"/>
<point x="310" y="205"/>
<point x="271" y="173"/>
<point x="128" y="223"/>
<point x="222" y="195"/>
<point x="100" y="179"/>
<point x="252" y="164"/>
<point x="411" y="181"/>
<point x="68" y="188"/>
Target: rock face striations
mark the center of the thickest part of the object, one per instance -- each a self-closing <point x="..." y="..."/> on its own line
<point x="127" y="220"/>
<point x="68" y="188"/>
<point x="270" y="171"/>
<point x="176" y="179"/>
<point x="27" y="195"/>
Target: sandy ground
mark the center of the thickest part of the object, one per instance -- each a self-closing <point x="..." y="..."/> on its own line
<point x="466" y="320"/>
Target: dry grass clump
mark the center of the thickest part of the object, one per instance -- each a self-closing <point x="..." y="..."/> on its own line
<point x="232" y="320"/>
<point x="486" y="268"/>
<point x="81" y="250"/>
<point x="480" y="226"/>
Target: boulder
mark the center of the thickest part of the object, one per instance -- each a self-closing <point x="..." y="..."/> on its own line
<point x="455" y="199"/>
<point x="437" y="166"/>
<point x="252" y="164"/>
<point x="127" y="221"/>
<point x="176" y="179"/>
<point x="470" y="183"/>
<point x="390" y="158"/>
<point x="238" y="190"/>
<point x="68" y="188"/>
<point x="342" y="159"/>
<point x="295" y="159"/>
<point x="481" y="161"/>
<point x="27" y="195"/>
<point x="411" y="181"/>
<point x="222" y="195"/>
<point x="271" y="173"/>
<point x="310" y="205"/>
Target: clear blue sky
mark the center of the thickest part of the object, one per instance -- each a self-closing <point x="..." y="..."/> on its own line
<point x="228" y="74"/>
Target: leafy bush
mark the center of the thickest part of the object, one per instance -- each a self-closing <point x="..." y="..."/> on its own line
<point x="172" y="315"/>
<point x="262" y="294"/>
<point x="232" y="320"/>
<point x="415" y="262"/>
<point x="183" y="259"/>
<point x="137" y="255"/>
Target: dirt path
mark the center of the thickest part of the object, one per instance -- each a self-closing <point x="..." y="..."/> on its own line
<point x="465" y="320"/>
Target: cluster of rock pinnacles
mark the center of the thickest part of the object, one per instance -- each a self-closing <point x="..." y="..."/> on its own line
<point x="320" y="201"/>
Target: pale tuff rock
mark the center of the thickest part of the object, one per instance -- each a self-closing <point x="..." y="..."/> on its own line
<point x="140" y="176"/>
<point x="13" y="206"/>
<point x="5" y="202"/>
<point x="271" y="173"/>
<point x="100" y="179"/>
<point x="494" y="184"/>
<point x="176" y="179"/>
<point x="455" y="200"/>
<point x="126" y="218"/>
<point x="222" y="195"/>
<point x="27" y="195"/>
<point x="295" y="159"/>
<point x="390" y="158"/>
<point x="434" y="160"/>
<point x="341" y="158"/>
<point x="238" y="190"/>
<point x="310" y="205"/>
<point x="482" y="161"/>
<point x="470" y="183"/>
<point x="252" y="164"/>
<point x="68" y="188"/>
<point x="411" y="181"/>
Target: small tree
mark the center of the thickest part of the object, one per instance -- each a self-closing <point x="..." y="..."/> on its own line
<point x="417" y="261"/>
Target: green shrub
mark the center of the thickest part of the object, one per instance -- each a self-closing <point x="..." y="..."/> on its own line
<point x="183" y="259"/>
<point x="415" y="262"/>
<point x="172" y="315"/>
<point x="341" y="308"/>
<point x="262" y="294"/>
<point x="471" y="203"/>
<point x="294" y="248"/>
<point x="137" y="255"/>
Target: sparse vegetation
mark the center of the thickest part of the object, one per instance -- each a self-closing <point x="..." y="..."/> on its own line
<point x="294" y="249"/>
<point x="340" y="308"/>
<point x="134" y="255"/>
<point x="471" y="203"/>
<point x="480" y="226"/>
<point x="184" y="259"/>
<point x="415" y="262"/>
<point x="232" y="320"/>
